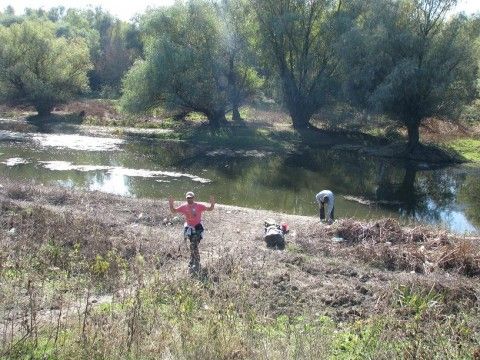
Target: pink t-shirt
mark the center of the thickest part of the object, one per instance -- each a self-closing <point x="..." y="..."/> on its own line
<point x="192" y="213"/>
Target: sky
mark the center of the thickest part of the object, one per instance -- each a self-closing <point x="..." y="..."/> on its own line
<point x="125" y="10"/>
<point x="122" y="9"/>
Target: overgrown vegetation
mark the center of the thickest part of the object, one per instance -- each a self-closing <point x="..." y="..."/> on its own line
<point x="78" y="285"/>
<point x="39" y="69"/>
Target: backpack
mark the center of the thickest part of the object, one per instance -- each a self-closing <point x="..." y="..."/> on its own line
<point x="274" y="236"/>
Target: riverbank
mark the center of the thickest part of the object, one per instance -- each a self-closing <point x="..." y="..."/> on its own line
<point x="87" y="274"/>
<point x="270" y="129"/>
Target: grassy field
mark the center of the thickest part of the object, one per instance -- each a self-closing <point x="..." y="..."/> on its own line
<point x="95" y="276"/>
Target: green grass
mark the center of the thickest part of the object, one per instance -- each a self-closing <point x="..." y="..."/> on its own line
<point x="180" y="320"/>
<point x="240" y="138"/>
<point x="468" y="148"/>
<point x="152" y="315"/>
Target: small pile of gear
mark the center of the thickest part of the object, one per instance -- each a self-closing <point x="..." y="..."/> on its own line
<point x="274" y="234"/>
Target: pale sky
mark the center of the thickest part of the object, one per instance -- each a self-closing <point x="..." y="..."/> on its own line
<point x="126" y="10"/>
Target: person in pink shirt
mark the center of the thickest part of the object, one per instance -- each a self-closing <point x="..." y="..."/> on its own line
<point x="192" y="211"/>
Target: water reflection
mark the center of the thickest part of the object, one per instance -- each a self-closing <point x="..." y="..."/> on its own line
<point x="113" y="183"/>
<point x="469" y="194"/>
<point x="283" y="182"/>
<point x="426" y="196"/>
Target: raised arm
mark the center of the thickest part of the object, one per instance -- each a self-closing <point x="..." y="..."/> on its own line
<point x="170" y="203"/>
<point x="212" y="203"/>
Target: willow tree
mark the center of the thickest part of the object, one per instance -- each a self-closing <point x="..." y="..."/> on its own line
<point x="409" y="60"/>
<point x="39" y="69"/>
<point x="240" y="30"/>
<point x="300" y="37"/>
<point x="186" y="65"/>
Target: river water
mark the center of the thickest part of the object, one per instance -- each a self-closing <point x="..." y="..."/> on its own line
<point x="365" y="187"/>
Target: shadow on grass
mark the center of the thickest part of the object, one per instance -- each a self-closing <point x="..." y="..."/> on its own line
<point x="43" y="123"/>
<point x="241" y="137"/>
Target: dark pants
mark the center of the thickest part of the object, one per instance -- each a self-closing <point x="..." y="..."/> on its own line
<point x="322" y="212"/>
<point x="194" y="238"/>
<point x="194" y="254"/>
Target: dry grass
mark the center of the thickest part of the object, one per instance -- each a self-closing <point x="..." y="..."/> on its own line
<point x="84" y="276"/>
<point x="438" y="130"/>
<point x="420" y="249"/>
<point x="96" y="108"/>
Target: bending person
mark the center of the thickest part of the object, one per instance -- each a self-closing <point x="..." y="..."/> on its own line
<point x="326" y="203"/>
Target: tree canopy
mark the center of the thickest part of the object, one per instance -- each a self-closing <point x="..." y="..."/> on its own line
<point x="301" y="39"/>
<point x="406" y="59"/>
<point x="188" y="65"/>
<point x="39" y="69"/>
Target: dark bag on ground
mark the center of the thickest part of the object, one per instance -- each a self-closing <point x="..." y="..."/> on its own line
<point x="274" y="236"/>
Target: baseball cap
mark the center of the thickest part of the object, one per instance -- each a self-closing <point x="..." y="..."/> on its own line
<point x="189" y="194"/>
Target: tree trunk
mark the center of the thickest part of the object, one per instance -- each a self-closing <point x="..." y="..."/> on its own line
<point x="234" y="92"/>
<point x="236" y="114"/>
<point x="297" y="107"/>
<point x="44" y="110"/>
<point x="413" y="136"/>
<point x="300" y="118"/>
<point x="216" y="118"/>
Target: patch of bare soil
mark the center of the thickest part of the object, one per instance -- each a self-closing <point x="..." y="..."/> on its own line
<point x="433" y="129"/>
<point x="346" y="270"/>
<point x="96" y="108"/>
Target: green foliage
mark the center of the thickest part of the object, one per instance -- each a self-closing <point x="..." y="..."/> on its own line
<point x="38" y="69"/>
<point x="407" y="60"/>
<point x="416" y="303"/>
<point x="240" y="29"/>
<point x="113" y="44"/>
<point x="76" y="24"/>
<point x="185" y="66"/>
<point x="471" y="112"/>
<point x="470" y="195"/>
<point x="8" y="17"/>
<point x="300" y="38"/>
<point x="361" y="340"/>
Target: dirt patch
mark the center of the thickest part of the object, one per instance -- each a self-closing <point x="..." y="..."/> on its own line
<point x="433" y="129"/>
<point x="96" y="108"/>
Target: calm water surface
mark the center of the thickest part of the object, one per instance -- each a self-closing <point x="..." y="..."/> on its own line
<point x="366" y="187"/>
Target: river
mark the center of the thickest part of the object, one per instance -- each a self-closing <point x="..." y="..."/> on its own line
<point x="365" y="187"/>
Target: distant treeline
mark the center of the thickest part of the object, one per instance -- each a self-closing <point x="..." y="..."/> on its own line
<point x="405" y="59"/>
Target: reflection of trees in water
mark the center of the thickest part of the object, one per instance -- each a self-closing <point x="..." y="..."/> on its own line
<point x="423" y="195"/>
<point x="163" y="153"/>
<point x="289" y="182"/>
<point x="398" y="190"/>
<point x="469" y="194"/>
<point x="343" y="172"/>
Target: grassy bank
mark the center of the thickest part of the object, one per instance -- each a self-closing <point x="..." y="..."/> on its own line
<point x="469" y="148"/>
<point x="95" y="276"/>
<point x="271" y="129"/>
